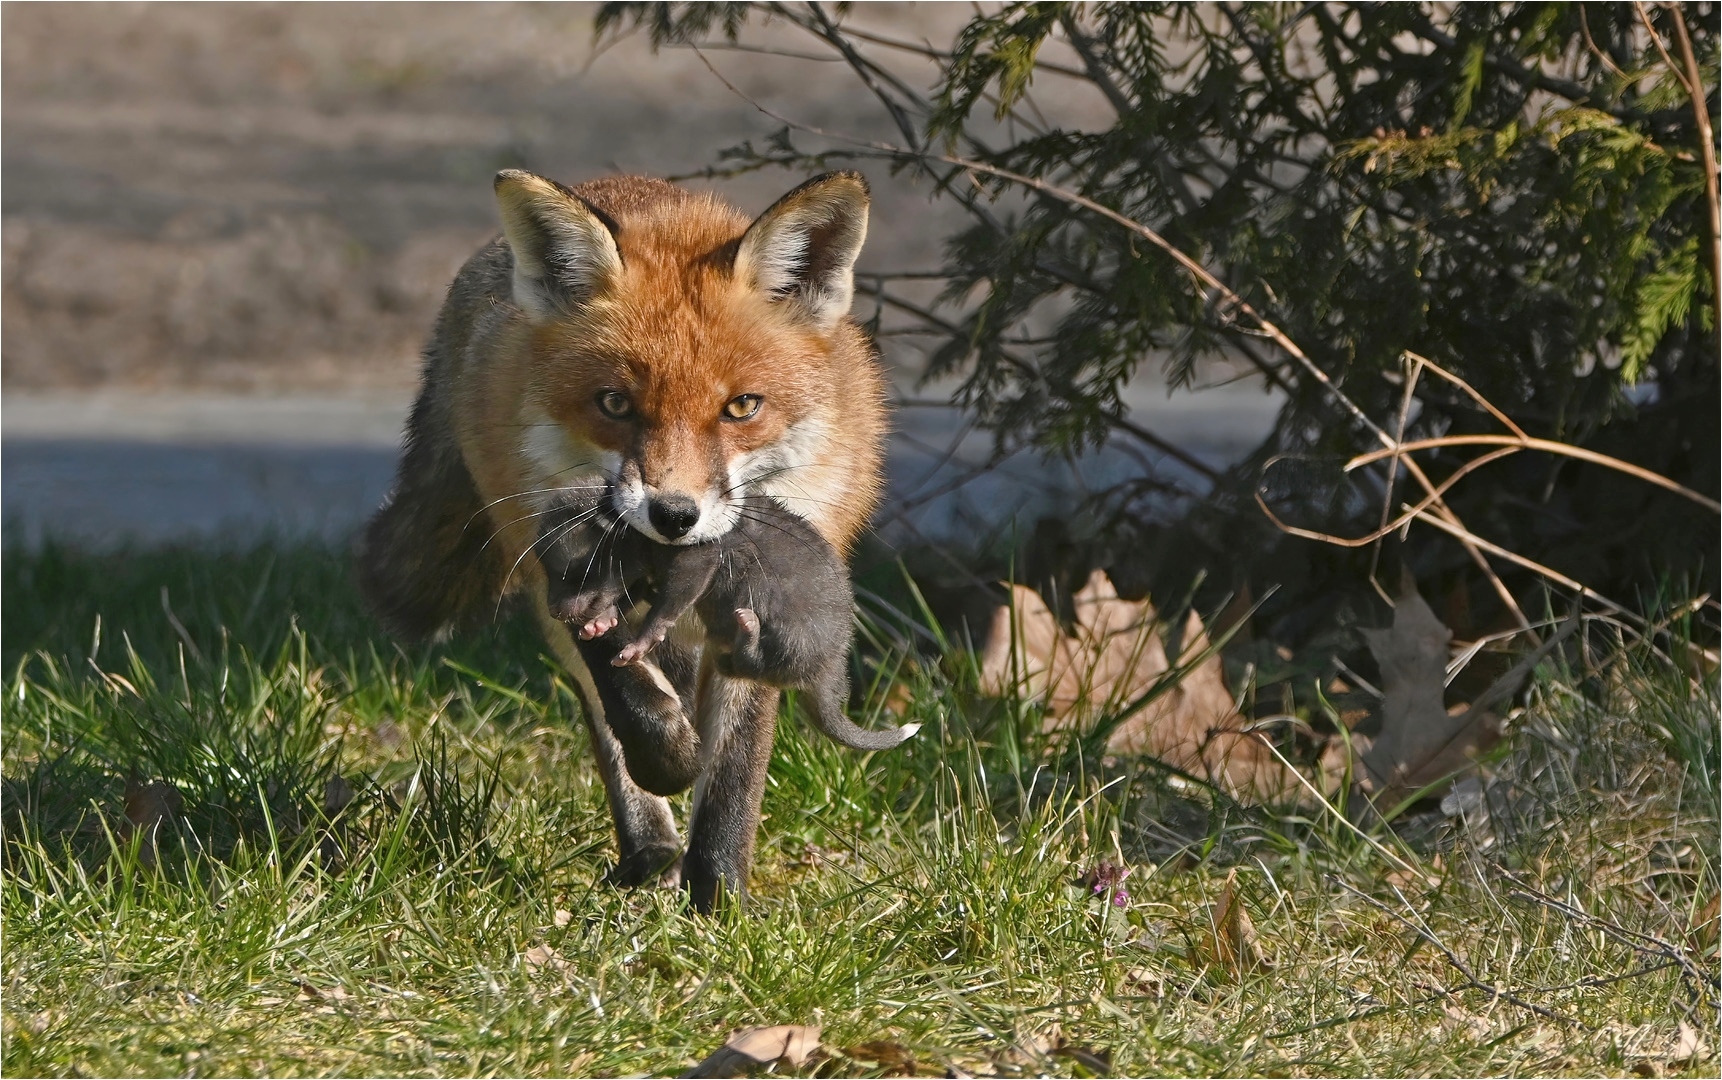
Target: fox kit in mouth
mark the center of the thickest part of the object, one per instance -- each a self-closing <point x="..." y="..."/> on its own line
<point x="633" y="338"/>
<point x="774" y="599"/>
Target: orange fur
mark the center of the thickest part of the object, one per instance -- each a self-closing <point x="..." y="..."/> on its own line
<point x="682" y="328"/>
<point x="677" y="313"/>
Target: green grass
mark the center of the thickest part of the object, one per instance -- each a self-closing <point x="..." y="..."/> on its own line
<point x="923" y="906"/>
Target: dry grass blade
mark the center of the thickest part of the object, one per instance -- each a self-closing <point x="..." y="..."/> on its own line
<point x="1705" y="924"/>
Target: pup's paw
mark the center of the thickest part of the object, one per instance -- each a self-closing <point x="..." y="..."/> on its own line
<point x="599" y="625"/>
<point x="637" y="649"/>
<point x="746" y="623"/>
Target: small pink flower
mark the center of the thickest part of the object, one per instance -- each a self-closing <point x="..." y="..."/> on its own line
<point x="1107" y="879"/>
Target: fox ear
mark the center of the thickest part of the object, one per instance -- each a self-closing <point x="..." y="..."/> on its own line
<point x="564" y="247"/>
<point x="803" y="249"/>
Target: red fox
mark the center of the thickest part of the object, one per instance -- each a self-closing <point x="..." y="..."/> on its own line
<point x="631" y="338"/>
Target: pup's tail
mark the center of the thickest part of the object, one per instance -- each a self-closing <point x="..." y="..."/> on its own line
<point x="828" y="716"/>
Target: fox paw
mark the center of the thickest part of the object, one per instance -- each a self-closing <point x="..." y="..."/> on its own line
<point x="659" y="864"/>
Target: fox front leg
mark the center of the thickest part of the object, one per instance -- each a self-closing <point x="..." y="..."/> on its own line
<point x="737" y="721"/>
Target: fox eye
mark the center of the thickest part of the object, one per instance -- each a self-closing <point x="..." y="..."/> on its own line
<point x="743" y="407"/>
<point x="615" y="405"/>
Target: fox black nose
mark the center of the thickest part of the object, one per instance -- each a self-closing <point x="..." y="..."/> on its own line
<point x="673" y="515"/>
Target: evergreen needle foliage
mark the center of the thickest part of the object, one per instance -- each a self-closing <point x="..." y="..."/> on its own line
<point x="1516" y="190"/>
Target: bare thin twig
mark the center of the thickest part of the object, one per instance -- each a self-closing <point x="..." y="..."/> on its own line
<point x="1706" y="142"/>
<point x="1647" y="944"/>
<point x="1459" y="965"/>
<point x="1549" y="446"/>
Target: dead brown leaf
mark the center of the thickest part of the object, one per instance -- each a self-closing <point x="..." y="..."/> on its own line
<point x="148" y="807"/>
<point x="1423" y="744"/>
<point x="752" y="1048"/>
<point x="1420" y="741"/>
<point x="1232" y="941"/>
<point x="1689" y="1045"/>
<point x="1195" y="726"/>
<point x="1706" y="923"/>
<point x="543" y="956"/>
<point x="892" y="1058"/>
<point x="1113" y="654"/>
<point x="1116" y="657"/>
<point x="308" y="992"/>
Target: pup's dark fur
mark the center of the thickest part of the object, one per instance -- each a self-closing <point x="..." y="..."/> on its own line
<point x="773" y="595"/>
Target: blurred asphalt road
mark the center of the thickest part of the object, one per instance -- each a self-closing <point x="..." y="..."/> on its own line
<point x="107" y="470"/>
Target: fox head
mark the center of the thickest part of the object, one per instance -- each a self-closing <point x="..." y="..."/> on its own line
<point x="685" y="357"/>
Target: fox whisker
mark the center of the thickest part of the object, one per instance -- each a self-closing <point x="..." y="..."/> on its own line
<point x="543" y="490"/>
<point x="531" y="549"/>
<point x="766" y="475"/>
<point x="763" y="518"/>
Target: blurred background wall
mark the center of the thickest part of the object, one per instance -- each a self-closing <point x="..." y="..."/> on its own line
<point x="268" y="197"/>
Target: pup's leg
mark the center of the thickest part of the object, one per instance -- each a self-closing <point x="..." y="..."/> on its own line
<point x="741" y="655"/>
<point x="645" y="829"/>
<point x="652" y="632"/>
<point x="645" y="713"/>
<point x="687" y="575"/>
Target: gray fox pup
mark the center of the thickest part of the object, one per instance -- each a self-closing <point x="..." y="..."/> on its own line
<point x="773" y="596"/>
